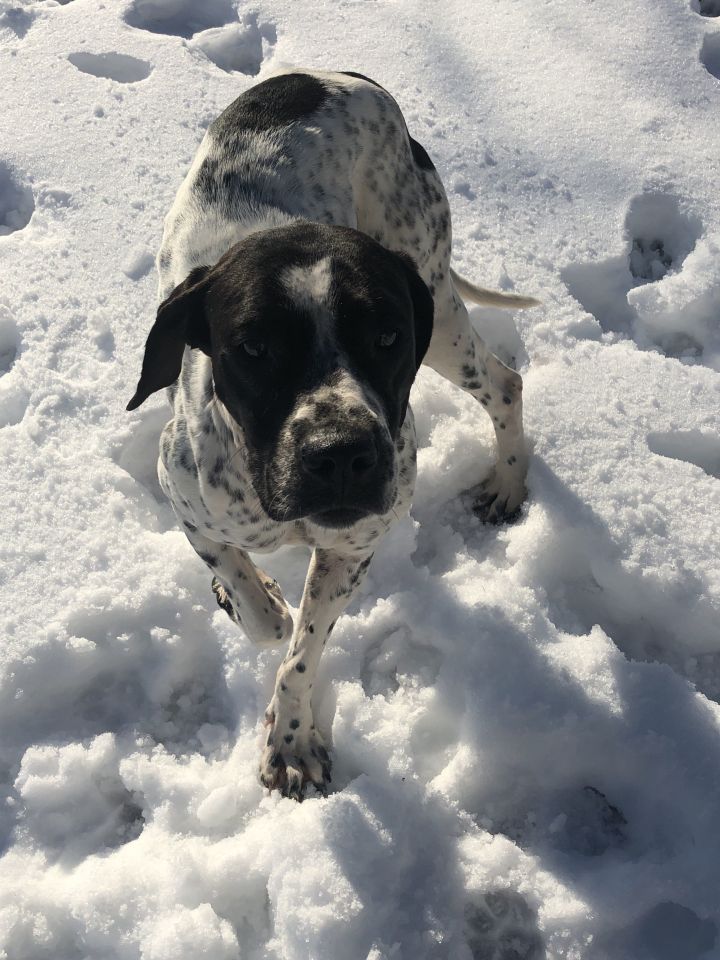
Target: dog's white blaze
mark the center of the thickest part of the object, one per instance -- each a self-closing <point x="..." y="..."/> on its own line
<point x="309" y="285"/>
<point x="310" y="288"/>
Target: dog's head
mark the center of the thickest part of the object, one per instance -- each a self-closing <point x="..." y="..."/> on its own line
<point x="315" y="335"/>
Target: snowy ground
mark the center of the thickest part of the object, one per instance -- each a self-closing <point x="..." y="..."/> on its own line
<point x="525" y="720"/>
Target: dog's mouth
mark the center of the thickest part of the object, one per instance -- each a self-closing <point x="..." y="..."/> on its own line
<point x="336" y="517"/>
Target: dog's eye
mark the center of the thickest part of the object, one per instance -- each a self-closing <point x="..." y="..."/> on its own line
<point x="386" y="339"/>
<point x="254" y="348"/>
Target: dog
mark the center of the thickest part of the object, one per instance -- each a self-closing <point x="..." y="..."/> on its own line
<point x="304" y="278"/>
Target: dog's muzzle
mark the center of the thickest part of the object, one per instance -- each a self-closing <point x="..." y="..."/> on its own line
<point x="346" y="475"/>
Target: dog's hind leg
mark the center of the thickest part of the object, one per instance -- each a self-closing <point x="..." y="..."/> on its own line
<point x="458" y="353"/>
<point x="247" y="594"/>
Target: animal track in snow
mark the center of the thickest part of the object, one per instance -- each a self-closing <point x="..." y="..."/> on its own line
<point x="706" y="8"/>
<point x="659" y="236"/>
<point x="15" y="21"/>
<point x="668" y="931"/>
<point x="16" y="202"/>
<point x="113" y="66"/>
<point x="637" y="613"/>
<point x="180" y="19"/>
<point x="9" y="341"/>
<point x="710" y="53"/>
<point x="573" y="820"/>
<point x="501" y="926"/>
<point x="111" y="671"/>
<point x="691" y="446"/>
<point x="13" y="393"/>
<point x="237" y="46"/>
<point x="396" y="656"/>
<point x="74" y="802"/>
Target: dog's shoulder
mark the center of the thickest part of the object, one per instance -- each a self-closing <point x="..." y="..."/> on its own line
<point x="291" y="97"/>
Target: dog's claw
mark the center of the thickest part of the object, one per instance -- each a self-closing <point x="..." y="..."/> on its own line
<point x="223" y="600"/>
<point x="291" y="768"/>
<point x="294" y="786"/>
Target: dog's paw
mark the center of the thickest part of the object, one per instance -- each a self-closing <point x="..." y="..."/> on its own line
<point x="498" y="498"/>
<point x="273" y="624"/>
<point x="270" y="623"/>
<point x="277" y="622"/>
<point x="294" y="754"/>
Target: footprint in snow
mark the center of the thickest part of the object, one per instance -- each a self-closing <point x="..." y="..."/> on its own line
<point x="13" y="394"/>
<point x="659" y="236"/>
<point x="15" y="23"/>
<point x="113" y="66"/>
<point x="180" y="19"/>
<point x="394" y="660"/>
<point x="633" y="611"/>
<point x="50" y="784"/>
<point x="667" y="931"/>
<point x="691" y="446"/>
<point x="706" y="8"/>
<point x="578" y="820"/>
<point x="9" y="341"/>
<point x="16" y="201"/>
<point x="212" y="27"/>
<point x="710" y="53"/>
<point x="240" y="47"/>
<point x="501" y="926"/>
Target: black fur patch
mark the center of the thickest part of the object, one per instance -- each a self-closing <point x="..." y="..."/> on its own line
<point x="276" y="102"/>
<point x="361" y="76"/>
<point x="420" y="155"/>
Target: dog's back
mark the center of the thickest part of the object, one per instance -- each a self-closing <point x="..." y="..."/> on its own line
<point x="327" y="147"/>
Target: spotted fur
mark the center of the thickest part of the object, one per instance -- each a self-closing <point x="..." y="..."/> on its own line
<point x="283" y="228"/>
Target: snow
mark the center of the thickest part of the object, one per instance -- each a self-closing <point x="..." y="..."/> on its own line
<point x="524" y="720"/>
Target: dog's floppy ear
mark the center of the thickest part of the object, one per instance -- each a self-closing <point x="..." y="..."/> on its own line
<point x="180" y="322"/>
<point x="423" y="307"/>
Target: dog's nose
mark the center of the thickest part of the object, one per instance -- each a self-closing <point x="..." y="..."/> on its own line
<point x="342" y="463"/>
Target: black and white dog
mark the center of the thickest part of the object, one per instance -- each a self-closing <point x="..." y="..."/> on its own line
<point x="304" y="277"/>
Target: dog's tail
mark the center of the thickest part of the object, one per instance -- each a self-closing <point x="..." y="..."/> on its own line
<point x="490" y="298"/>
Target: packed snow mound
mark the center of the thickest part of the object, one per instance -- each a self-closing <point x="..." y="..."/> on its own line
<point x="525" y="720"/>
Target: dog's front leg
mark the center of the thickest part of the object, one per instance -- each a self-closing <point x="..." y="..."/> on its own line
<point x="245" y="592"/>
<point x="294" y="753"/>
